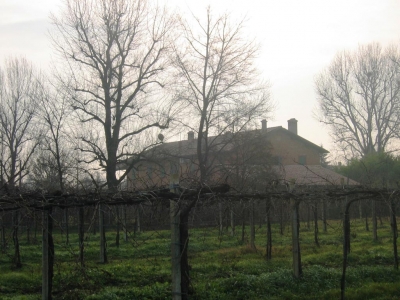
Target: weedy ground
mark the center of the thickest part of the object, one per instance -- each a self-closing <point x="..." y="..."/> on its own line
<point x="222" y="266"/>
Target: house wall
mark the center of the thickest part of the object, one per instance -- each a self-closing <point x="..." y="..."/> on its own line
<point x="289" y="149"/>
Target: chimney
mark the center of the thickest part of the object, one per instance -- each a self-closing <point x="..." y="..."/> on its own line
<point x="263" y="124"/>
<point x="292" y="125"/>
<point x="190" y="135"/>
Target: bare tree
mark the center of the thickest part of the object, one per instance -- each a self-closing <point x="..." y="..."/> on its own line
<point x="54" y="112"/>
<point x="358" y="98"/>
<point x="18" y="107"/>
<point x="116" y="55"/>
<point x="220" y="84"/>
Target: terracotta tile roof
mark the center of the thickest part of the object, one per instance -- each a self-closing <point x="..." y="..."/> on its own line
<point x="311" y="175"/>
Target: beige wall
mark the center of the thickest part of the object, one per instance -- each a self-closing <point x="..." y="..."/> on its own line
<point x="286" y="146"/>
<point x="290" y="148"/>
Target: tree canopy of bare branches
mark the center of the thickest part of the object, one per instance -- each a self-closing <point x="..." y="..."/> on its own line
<point x="219" y="81"/>
<point x="358" y="98"/>
<point x="18" y="107"/>
<point x="116" y="53"/>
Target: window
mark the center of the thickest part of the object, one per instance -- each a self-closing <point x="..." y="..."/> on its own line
<point x="173" y="168"/>
<point x="302" y="160"/>
<point x="162" y="172"/>
<point x="277" y="160"/>
<point x="149" y="171"/>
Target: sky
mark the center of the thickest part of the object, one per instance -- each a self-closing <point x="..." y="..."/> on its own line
<point x="298" y="40"/>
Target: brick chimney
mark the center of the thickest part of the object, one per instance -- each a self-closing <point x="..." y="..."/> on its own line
<point x="263" y="124"/>
<point x="292" y="125"/>
<point x="190" y="135"/>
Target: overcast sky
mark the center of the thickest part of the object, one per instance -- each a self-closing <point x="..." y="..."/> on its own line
<point x="298" y="40"/>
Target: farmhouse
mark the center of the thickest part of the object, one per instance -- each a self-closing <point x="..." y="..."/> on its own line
<point x="242" y="159"/>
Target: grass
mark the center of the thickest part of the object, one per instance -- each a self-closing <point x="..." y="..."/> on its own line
<point x="221" y="267"/>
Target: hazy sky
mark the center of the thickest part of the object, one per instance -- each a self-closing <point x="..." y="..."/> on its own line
<point x="298" y="40"/>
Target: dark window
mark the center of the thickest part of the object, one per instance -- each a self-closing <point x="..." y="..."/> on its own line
<point x="162" y="171"/>
<point x="277" y="160"/>
<point x="149" y="171"/>
<point x="302" y="160"/>
<point x="173" y="169"/>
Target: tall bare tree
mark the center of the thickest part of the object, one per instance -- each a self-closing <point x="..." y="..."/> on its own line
<point x="220" y="86"/>
<point x="358" y="98"/>
<point x="18" y="107"/>
<point x="116" y="55"/>
<point x="220" y="83"/>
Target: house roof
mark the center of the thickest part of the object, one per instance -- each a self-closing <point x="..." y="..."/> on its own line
<point x="311" y="175"/>
<point x="224" y="142"/>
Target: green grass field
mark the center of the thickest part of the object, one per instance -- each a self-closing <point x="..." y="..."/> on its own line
<point x="222" y="268"/>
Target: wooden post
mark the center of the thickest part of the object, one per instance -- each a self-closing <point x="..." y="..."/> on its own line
<point x="125" y="225"/>
<point x="138" y="226"/>
<point x="47" y="255"/>
<point x="324" y="215"/>
<point x="118" y="226"/>
<point x="175" y="242"/>
<point x="315" y="211"/>
<point x="220" y="218"/>
<point x="394" y="233"/>
<point x="102" y="232"/>
<point x="17" y="256"/>
<point x="81" y="236"/>
<point x="346" y="248"/>
<point x="252" y="226"/>
<point x="232" y="219"/>
<point x="269" y="233"/>
<point x="374" y="221"/>
<point x="297" y="271"/>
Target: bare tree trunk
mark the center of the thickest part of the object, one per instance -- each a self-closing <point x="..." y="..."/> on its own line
<point x="308" y="216"/>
